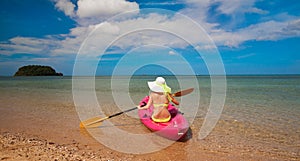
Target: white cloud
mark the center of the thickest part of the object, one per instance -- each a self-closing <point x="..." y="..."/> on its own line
<point x="270" y="30"/>
<point x="172" y="53"/>
<point x="273" y="30"/>
<point x="103" y="8"/>
<point x="90" y="12"/>
<point x="245" y="56"/>
<point x="66" y="6"/>
<point x="8" y="49"/>
<point x="28" y="45"/>
<point x="205" y="47"/>
<point x="108" y="28"/>
<point x="234" y="7"/>
<point x="200" y="11"/>
<point x="73" y="41"/>
<point x="236" y="10"/>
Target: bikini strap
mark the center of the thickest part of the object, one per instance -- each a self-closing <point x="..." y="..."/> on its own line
<point x="161" y="104"/>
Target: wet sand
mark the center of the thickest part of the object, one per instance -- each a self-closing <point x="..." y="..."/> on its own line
<point x="33" y="127"/>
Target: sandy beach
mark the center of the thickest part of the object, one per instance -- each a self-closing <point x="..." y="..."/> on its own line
<point x="31" y="144"/>
<point x="30" y="133"/>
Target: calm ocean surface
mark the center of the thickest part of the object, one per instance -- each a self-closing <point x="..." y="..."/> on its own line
<point x="265" y="100"/>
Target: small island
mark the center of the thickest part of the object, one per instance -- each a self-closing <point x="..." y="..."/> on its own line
<point x="37" y="70"/>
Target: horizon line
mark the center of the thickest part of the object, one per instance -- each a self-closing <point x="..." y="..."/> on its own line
<point x="160" y="75"/>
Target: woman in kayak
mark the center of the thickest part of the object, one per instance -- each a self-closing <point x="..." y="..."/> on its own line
<point x="159" y="98"/>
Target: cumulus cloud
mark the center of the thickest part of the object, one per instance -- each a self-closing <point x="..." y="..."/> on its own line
<point x="293" y="28"/>
<point x="28" y="45"/>
<point x="206" y="11"/>
<point x="233" y="7"/>
<point x="104" y="8"/>
<point x="198" y="11"/>
<point x="270" y="30"/>
<point x="66" y="6"/>
<point x="77" y="36"/>
<point x="90" y="12"/>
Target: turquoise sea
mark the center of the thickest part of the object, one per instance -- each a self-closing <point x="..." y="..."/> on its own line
<point x="267" y="108"/>
<point x="270" y="100"/>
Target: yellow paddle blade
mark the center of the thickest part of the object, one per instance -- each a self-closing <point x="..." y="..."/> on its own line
<point x="94" y="125"/>
<point x="92" y="122"/>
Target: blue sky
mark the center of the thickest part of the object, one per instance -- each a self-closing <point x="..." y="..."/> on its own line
<point x="252" y="36"/>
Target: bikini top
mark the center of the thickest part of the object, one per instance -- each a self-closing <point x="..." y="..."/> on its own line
<point x="160" y="104"/>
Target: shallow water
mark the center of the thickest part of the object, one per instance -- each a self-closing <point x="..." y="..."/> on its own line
<point x="267" y="100"/>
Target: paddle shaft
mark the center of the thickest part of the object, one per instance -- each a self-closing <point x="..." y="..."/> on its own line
<point x="116" y="114"/>
<point x="119" y="113"/>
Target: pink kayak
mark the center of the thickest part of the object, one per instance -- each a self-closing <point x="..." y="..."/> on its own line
<point x="175" y="129"/>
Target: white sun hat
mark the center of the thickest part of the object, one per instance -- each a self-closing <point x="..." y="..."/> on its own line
<point x="159" y="85"/>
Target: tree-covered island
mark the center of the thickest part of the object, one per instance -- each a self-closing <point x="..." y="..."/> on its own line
<point x="37" y="70"/>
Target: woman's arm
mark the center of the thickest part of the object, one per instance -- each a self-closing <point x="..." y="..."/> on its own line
<point x="147" y="105"/>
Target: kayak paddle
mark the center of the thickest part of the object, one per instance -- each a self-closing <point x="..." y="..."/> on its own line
<point x="184" y="92"/>
<point x="94" y="120"/>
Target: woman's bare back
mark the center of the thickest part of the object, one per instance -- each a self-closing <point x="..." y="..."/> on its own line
<point x="159" y="102"/>
<point x="159" y="98"/>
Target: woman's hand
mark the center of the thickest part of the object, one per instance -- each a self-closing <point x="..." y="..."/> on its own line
<point x="143" y="106"/>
